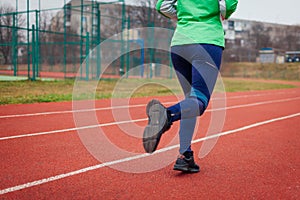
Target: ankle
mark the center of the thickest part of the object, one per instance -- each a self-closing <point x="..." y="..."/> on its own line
<point x="188" y="154"/>
<point x="181" y="156"/>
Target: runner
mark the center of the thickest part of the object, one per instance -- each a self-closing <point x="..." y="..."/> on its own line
<point x="196" y="52"/>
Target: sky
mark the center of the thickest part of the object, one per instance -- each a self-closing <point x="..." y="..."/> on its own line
<point x="273" y="11"/>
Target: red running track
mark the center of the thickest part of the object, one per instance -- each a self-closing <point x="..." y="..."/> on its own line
<point x="256" y="156"/>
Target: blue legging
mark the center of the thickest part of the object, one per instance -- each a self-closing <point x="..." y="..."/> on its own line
<point x="197" y="67"/>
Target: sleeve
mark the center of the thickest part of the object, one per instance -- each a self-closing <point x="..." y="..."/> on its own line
<point x="167" y="8"/>
<point x="227" y="7"/>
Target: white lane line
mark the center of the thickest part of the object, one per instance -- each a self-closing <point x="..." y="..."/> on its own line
<point x="128" y="159"/>
<point x="248" y="127"/>
<point x="69" y="111"/>
<point x="137" y="120"/>
<point x="71" y="129"/>
<point x="255" y="104"/>
<point x="119" y="107"/>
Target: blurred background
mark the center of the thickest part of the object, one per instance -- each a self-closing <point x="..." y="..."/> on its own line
<point x="41" y="39"/>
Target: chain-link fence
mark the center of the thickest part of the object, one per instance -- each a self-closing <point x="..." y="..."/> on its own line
<point x="55" y="42"/>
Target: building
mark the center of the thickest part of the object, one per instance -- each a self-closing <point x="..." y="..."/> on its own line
<point x="267" y="55"/>
<point x="244" y="38"/>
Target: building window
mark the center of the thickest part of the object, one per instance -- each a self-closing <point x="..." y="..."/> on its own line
<point x="231" y="25"/>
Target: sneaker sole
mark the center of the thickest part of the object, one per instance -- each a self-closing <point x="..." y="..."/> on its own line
<point x="157" y="118"/>
<point x="185" y="169"/>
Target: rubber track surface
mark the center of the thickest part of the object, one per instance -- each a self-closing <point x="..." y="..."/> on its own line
<point x="259" y="162"/>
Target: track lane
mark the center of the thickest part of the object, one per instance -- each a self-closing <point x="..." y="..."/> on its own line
<point x="66" y="120"/>
<point x="72" y="163"/>
<point x="46" y="142"/>
<point x="36" y="109"/>
<point x="241" y="166"/>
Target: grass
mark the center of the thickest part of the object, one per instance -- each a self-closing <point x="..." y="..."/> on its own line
<point x="22" y="92"/>
<point x="286" y="71"/>
<point x="239" y="85"/>
<point x="13" y="92"/>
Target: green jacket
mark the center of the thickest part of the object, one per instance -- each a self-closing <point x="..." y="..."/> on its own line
<point x="198" y="21"/>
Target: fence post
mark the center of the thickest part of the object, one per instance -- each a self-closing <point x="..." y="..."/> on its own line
<point x="87" y="56"/>
<point x="128" y="47"/>
<point x="81" y="35"/>
<point x="28" y="43"/>
<point x="65" y="39"/>
<point x="14" y="45"/>
<point x="122" y="39"/>
<point x="33" y="53"/>
<point x="142" y="42"/>
<point x="37" y="45"/>
<point x="98" y="41"/>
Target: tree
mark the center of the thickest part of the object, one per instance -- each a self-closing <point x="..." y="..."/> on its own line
<point x="292" y="38"/>
<point x="143" y="14"/>
<point x="260" y="35"/>
<point x="7" y="16"/>
<point x="52" y="39"/>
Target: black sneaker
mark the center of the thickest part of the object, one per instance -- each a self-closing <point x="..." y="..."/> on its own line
<point x="158" y="123"/>
<point x="186" y="163"/>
